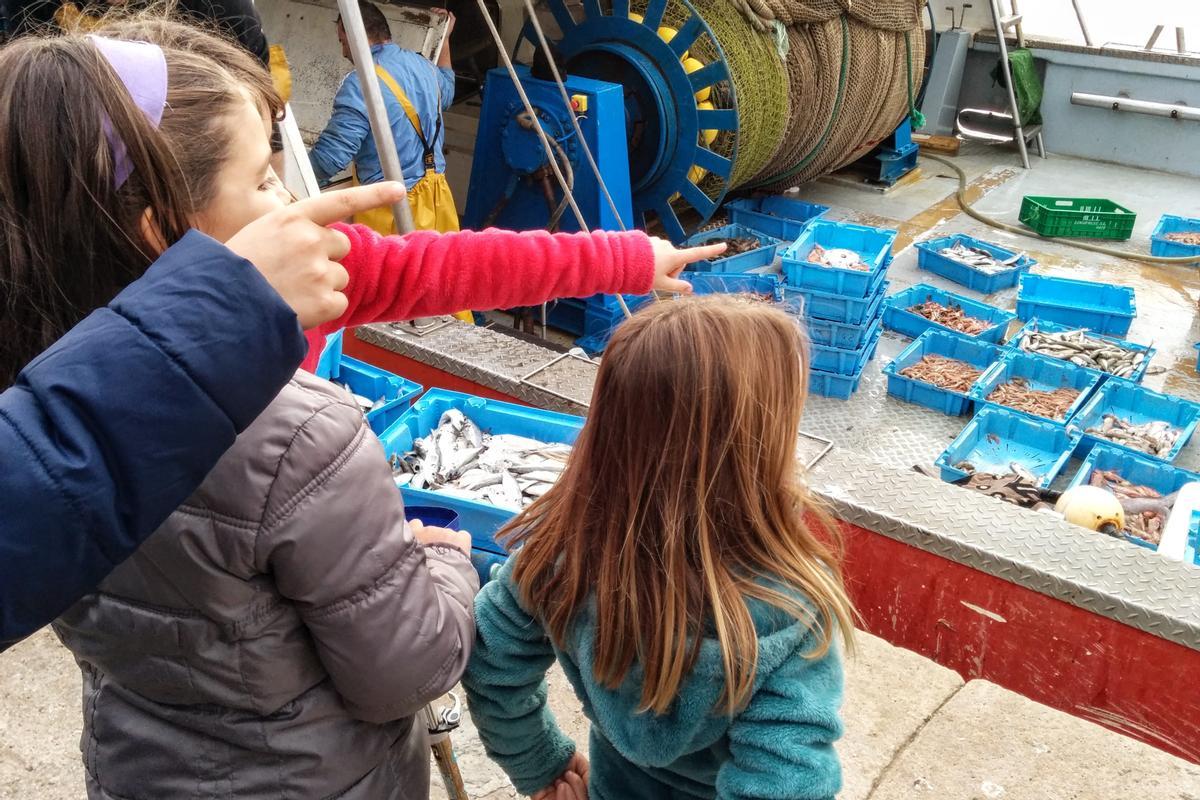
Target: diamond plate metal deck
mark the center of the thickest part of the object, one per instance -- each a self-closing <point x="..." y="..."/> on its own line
<point x="868" y="477"/>
<point x="491" y="359"/>
<point x="868" y="480"/>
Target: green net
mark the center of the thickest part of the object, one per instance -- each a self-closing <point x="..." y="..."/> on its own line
<point x="757" y="79"/>
<point x="1026" y="84"/>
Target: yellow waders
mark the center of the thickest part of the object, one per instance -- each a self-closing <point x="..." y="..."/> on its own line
<point x="430" y="199"/>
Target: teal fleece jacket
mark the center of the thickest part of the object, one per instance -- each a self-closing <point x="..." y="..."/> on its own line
<point x="779" y="747"/>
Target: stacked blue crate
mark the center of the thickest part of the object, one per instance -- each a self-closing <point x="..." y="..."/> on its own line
<point x="783" y="218"/>
<point x="760" y="257"/>
<point x="750" y="272"/>
<point x="587" y="316"/>
<point x="842" y="306"/>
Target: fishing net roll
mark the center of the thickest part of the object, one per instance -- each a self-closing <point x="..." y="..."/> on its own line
<point x="819" y="83"/>
<point x="864" y="74"/>
<point x="813" y="86"/>
<point x="758" y="79"/>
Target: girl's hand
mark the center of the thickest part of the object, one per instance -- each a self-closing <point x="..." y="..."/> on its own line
<point x="670" y="260"/>
<point x="571" y="785"/>
<point x="427" y="534"/>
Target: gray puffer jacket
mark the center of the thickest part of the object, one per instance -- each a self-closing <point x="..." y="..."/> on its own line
<point x="277" y="635"/>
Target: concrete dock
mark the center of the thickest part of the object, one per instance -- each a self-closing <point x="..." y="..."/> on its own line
<point x="913" y="729"/>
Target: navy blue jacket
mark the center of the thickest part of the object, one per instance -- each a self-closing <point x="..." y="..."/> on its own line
<point x="105" y="433"/>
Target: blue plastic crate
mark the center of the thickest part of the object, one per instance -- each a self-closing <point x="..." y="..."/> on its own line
<point x="703" y="283"/>
<point x="1036" y="325"/>
<point x="781" y="217"/>
<point x="839" y="308"/>
<point x="960" y="347"/>
<point x="609" y="301"/>
<point x="831" y="384"/>
<point x="760" y="257"/>
<point x="767" y="286"/>
<point x="1135" y="468"/>
<point x="600" y="319"/>
<point x="1040" y="373"/>
<point x="331" y="357"/>
<point x="845" y="362"/>
<point x="873" y="245"/>
<point x="897" y="317"/>
<point x="825" y="333"/>
<point x="1161" y="246"/>
<point x="1138" y="405"/>
<point x="1101" y="307"/>
<point x="929" y="259"/>
<point x="486" y="563"/>
<point x="997" y="437"/>
<point x="374" y="383"/>
<point x="492" y="416"/>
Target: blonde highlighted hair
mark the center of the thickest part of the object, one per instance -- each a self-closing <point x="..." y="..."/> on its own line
<point x="683" y="500"/>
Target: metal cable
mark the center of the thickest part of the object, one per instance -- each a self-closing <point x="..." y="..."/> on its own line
<point x="969" y="209"/>
<point x="562" y="90"/>
<point x="550" y="157"/>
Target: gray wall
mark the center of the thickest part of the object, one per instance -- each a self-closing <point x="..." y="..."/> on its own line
<point x="1120" y="137"/>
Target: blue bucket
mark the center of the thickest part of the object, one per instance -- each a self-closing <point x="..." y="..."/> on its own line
<point x="433" y="516"/>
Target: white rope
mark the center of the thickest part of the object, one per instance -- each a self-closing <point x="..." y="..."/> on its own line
<point x="550" y="156"/>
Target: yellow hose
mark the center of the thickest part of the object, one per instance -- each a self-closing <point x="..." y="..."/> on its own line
<point x="966" y="206"/>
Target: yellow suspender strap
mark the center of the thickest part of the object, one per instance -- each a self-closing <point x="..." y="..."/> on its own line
<point x="405" y="103"/>
<point x="426" y="145"/>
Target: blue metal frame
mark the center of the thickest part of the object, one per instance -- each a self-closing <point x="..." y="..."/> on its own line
<point x="895" y="157"/>
<point x="505" y="154"/>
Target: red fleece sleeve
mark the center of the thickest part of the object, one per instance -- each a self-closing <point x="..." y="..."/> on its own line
<point x="424" y="274"/>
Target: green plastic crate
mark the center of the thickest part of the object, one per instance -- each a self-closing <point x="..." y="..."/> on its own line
<point x="1083" y="217"/>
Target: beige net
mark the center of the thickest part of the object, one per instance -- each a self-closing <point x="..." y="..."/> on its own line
<point x="814" y="61"/>
<point x="852" y="79"/>
<point x="888" y="15"/>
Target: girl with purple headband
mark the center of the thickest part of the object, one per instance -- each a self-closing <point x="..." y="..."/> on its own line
<point x="278" y="634"/>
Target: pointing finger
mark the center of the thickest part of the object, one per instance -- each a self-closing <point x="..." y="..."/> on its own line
<point x="333" y="206"/>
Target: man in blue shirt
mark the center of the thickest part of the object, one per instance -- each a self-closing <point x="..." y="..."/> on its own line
<point x="415" y="93"/>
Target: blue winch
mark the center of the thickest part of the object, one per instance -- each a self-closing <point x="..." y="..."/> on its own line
<point x="512" y="185"/>
<point x="643" y="116"/>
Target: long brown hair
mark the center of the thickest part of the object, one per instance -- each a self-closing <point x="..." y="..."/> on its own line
<point x="70" y="240"/>
<point x="683" y="499"/>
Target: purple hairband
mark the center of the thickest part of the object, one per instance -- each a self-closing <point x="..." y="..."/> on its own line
<point x="142" y="68"/>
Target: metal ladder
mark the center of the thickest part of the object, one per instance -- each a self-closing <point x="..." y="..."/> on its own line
<point x="1005" y="22"/>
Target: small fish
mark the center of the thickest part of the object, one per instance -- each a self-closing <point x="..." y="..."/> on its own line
<point x="993" y="438"/>
<point x="979" y="258"/>
<point x="1086" y="351"/>
<point x="458" y="459"/>
<point x="1021" y="472"/>
<point x="1156" y="438"/>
